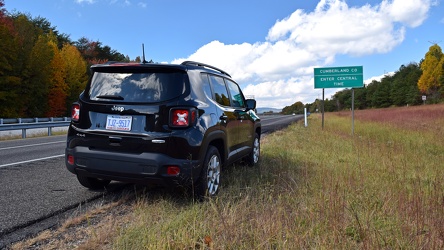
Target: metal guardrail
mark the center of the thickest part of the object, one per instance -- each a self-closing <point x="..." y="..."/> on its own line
<point x="33" y="123"/>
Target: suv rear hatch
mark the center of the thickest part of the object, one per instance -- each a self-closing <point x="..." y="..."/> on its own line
<point x="130" y="105"/>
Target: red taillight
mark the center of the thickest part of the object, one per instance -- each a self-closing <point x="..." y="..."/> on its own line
<point x="71" y="159"/>
<point x="182" y="117"/>
<point x="173" y="170"/>
<point x="75" y="112"/>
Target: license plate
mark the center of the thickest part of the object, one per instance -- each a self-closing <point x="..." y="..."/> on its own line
<point x="117" y="122"/>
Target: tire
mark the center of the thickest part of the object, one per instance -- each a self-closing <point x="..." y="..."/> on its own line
<point x="92" y="183"/>
<point x="253" y="158"/>
<point x="208" y="184"/>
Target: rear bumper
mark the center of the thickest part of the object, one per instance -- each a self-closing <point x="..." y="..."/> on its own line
<point x="145" y="168"/>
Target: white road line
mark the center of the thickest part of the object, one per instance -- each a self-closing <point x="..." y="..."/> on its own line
<point x="32" y="145"/>
<point x="21" y="162"/>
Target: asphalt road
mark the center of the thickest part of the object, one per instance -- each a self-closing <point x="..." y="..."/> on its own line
<point x="272" y="123"/>
<point x="24" y="151"/>
<point x="36" y="188"/>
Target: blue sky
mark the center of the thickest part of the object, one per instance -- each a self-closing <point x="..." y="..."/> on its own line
<point x="269" y="47"/>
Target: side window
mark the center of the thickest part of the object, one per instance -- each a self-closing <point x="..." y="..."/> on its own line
<point x="237" y="100"/>
<point x="220" y="91"/>
<point x="206" y="85"/>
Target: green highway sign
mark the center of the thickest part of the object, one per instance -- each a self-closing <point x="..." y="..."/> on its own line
<point x="339" y="77"/>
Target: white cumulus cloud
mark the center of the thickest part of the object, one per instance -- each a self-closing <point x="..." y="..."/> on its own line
<point x="279" y="70"/>
<point x="410" y="12"/>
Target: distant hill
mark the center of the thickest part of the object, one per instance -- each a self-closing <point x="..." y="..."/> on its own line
<point x="263" y="110"/>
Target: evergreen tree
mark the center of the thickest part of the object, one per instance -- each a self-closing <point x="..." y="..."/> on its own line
<point x="381" y="96"/>
<point x="404" y="88"/>
<point x="371" y="89"/>
<point x="360" y="98"/>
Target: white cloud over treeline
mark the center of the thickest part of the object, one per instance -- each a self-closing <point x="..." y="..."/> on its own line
<point x="279" y="70"/>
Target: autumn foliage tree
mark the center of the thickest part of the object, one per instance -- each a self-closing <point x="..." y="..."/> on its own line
<point x="75" y="73"/>
<point x="432" y="76"/>
<point x="57" y="89"/>
<point x="36" y="78"/>
<point x="42" y="72"/>
<point x="94" y="52"/>
<point x="9" y="79"/>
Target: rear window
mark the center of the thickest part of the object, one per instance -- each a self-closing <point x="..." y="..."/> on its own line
<point x="136" y="87"/>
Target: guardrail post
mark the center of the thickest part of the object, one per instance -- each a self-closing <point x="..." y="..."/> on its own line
<point x="50" y="128"/>
<point x="23" y="133"/>
<point x="19" y="120"/>
<point x="1" y="121"/>
<point x="36" y="120"/>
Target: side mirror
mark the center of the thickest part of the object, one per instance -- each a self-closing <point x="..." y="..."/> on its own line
<point x="251" y="104"/>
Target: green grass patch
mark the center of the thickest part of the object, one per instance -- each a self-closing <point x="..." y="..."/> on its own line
<point x="314" y="188"/>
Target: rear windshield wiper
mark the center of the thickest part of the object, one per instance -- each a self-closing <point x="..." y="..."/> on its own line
<point x="111" y="97"/>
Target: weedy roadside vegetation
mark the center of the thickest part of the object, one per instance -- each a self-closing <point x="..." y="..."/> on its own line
<point x="326" y="189"/>
<point x="381" y="188"/>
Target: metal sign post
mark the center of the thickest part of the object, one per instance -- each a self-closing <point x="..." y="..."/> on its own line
<point x="353" y="111"/>
<point x="322" y="109"/>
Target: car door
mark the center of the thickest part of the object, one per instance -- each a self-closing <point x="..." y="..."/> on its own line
<point x="245" y="125"/>
<point x="227" y="117"/>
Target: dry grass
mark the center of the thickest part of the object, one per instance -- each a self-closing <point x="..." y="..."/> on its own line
<point x="94" y="229"/>
<point x="314" y="189"/>
<point x="382" y="188"/>
<point x="416" y="118"/>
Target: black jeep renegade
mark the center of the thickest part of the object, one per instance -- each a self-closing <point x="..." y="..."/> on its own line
<point x="160" y="123"/>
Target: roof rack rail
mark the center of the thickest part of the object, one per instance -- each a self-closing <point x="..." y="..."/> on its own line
<point x="204" y="65"/>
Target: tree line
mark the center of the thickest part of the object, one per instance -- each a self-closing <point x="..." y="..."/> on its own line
<point x="405" y="87"/>
<point x="42" y="71"/>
